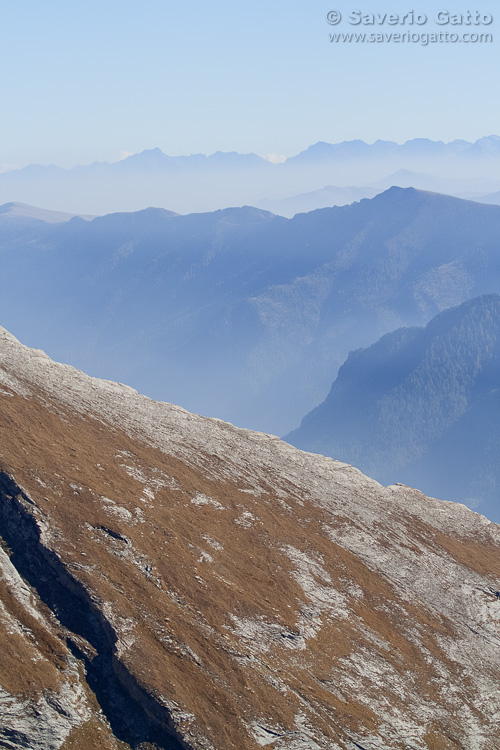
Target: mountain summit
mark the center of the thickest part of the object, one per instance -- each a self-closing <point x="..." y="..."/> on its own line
<point x="169" y="581"/>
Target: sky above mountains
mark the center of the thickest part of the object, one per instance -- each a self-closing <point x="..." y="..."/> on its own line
<point x="96" y="81"/>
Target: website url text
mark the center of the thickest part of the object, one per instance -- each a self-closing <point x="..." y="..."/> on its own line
<point x="442" y="37"/>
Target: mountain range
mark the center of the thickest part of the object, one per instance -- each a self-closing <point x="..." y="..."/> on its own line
<point x="197" y="183"/>
<point x="417" y="147"/>
<point x="421" y="406"/>
<point x="240" y="314"/>
<point x="23" y="212"/>
<point x="331" y="195"/>
<point x="171" y="582"/>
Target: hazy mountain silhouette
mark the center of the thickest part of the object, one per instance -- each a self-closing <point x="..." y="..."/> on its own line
<point x="205" y="183"/>
<point x="23" y="211"/>
<point x="421" y="147"/>
<point x="421" y="406"/>
<point x="493" y="198"/>
<point x="328" y="196"/>
<point x="238" y="313"/>
<point x="464" y="187"/>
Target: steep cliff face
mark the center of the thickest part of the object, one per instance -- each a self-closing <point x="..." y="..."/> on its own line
<point x="421" y="406"/>
<point x="171" y="581"/>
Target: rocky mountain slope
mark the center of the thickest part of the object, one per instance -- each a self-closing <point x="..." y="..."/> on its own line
<point x="240" y="314"/>
<point x="169" y="581"/>
<point x="421" y="406"/>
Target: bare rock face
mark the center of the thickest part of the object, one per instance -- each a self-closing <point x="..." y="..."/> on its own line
<point x="170" y="581"/>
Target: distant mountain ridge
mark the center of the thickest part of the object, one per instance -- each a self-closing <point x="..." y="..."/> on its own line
<point x="493" y="198"/>
<point x="238" y="313"/>
<point x="328" y="196"/>
<point x="487" y="146"/>
<point x="358" y="149"/>
<point x="155" y="157"/>
<point x="203" y="183"/>
<point x="23" y="211"/>
<point x="469" y="188"/>
<point x="421" y="406"/>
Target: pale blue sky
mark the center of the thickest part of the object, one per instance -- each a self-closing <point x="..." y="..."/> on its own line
<point x="88" y="81"/>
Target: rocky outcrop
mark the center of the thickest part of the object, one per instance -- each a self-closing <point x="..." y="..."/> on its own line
<point x="87" y="634"/>
<point x="199" y="586"/>
<point x="42" y="696"/>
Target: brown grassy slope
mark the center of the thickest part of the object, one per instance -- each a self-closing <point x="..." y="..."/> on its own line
<point x="250" y="592"/>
